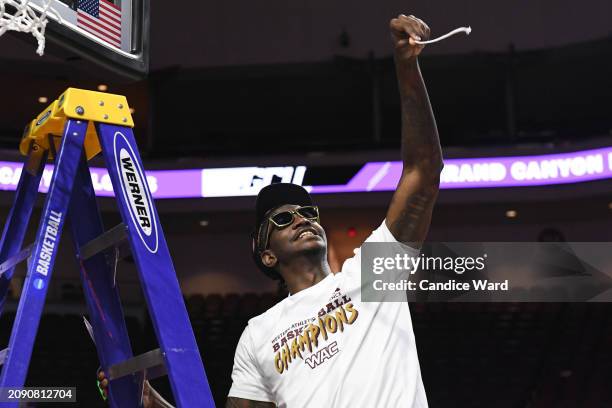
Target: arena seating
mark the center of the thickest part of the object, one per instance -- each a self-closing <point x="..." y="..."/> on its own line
<point x="540" y="355"/>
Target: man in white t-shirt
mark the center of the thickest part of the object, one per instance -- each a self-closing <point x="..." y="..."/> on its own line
<point x="322" y="346"/>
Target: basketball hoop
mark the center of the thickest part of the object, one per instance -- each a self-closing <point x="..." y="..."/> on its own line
<point x="18" y="15"/>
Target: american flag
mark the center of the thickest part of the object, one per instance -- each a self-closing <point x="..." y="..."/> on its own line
<point x="102" y="19"/>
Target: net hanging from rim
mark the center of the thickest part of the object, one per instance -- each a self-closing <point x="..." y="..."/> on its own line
<point x="19" y="15"/>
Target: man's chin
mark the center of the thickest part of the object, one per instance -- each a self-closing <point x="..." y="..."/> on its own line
<point x="311" y="246"/>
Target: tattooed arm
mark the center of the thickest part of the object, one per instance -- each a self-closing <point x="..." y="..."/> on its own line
<point x="409" y="213"/>
<point x="233" y="402"/>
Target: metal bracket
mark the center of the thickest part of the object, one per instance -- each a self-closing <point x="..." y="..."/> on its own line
<point x="15" y="259"/>
<point x="111" y="238"/>
<point x="151" y="363"/>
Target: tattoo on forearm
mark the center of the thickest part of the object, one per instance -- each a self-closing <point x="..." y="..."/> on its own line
<point x="409" y="214"/>
<point x="420" y="140"/>
<point x="411" y="219"/>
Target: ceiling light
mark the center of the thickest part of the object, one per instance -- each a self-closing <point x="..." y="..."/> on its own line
<point x="102" y="87"/>
<point x="203" y="223"/>
<point x="43" y="99"/>
<point x="511" y="213"/>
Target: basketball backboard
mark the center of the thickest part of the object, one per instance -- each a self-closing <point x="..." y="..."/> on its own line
<point x="112" y="33"/>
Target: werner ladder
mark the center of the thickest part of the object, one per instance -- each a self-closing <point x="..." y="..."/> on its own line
<point x="73" y="129"/>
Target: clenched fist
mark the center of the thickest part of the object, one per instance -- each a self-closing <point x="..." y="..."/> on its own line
<point x="405" y="30"/>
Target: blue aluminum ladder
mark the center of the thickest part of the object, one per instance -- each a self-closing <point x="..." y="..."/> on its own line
<point x="89" y="123"/>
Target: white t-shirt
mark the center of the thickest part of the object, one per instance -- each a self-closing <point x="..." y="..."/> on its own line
<point x="364" y="354"/>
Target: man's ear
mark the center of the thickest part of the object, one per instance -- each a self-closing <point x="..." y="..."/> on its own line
<point x="269" y="259"/>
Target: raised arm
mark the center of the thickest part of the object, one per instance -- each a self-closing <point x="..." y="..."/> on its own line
<point x="409" y="213"/>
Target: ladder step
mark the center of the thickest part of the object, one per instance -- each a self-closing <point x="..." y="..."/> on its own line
<point x="114" y="237"/>
<point x="15" y="259"/>
<point x="151" y="363"/>
<point x="3" y="354"/>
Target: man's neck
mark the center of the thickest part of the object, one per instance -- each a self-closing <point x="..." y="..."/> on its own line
<point x="302" y="273"/>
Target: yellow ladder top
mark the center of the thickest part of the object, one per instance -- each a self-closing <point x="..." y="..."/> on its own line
<point x="100" y="107"/>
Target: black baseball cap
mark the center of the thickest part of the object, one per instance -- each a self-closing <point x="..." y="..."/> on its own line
<point x="270" y="197"/>
<point x="275" y="195"/>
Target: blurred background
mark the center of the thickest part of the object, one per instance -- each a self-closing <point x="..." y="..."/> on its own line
<point x="313" y="84"/>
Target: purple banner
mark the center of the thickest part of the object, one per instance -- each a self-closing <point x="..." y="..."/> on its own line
<point x="163" y="183"/>
<point x="483" y="172"/>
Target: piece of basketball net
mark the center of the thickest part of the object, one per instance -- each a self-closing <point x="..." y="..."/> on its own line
<point x="466" y="30"/>
<point x="18" y="15"/>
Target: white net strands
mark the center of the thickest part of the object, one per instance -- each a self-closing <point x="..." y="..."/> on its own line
<point x="18" y="15"/>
